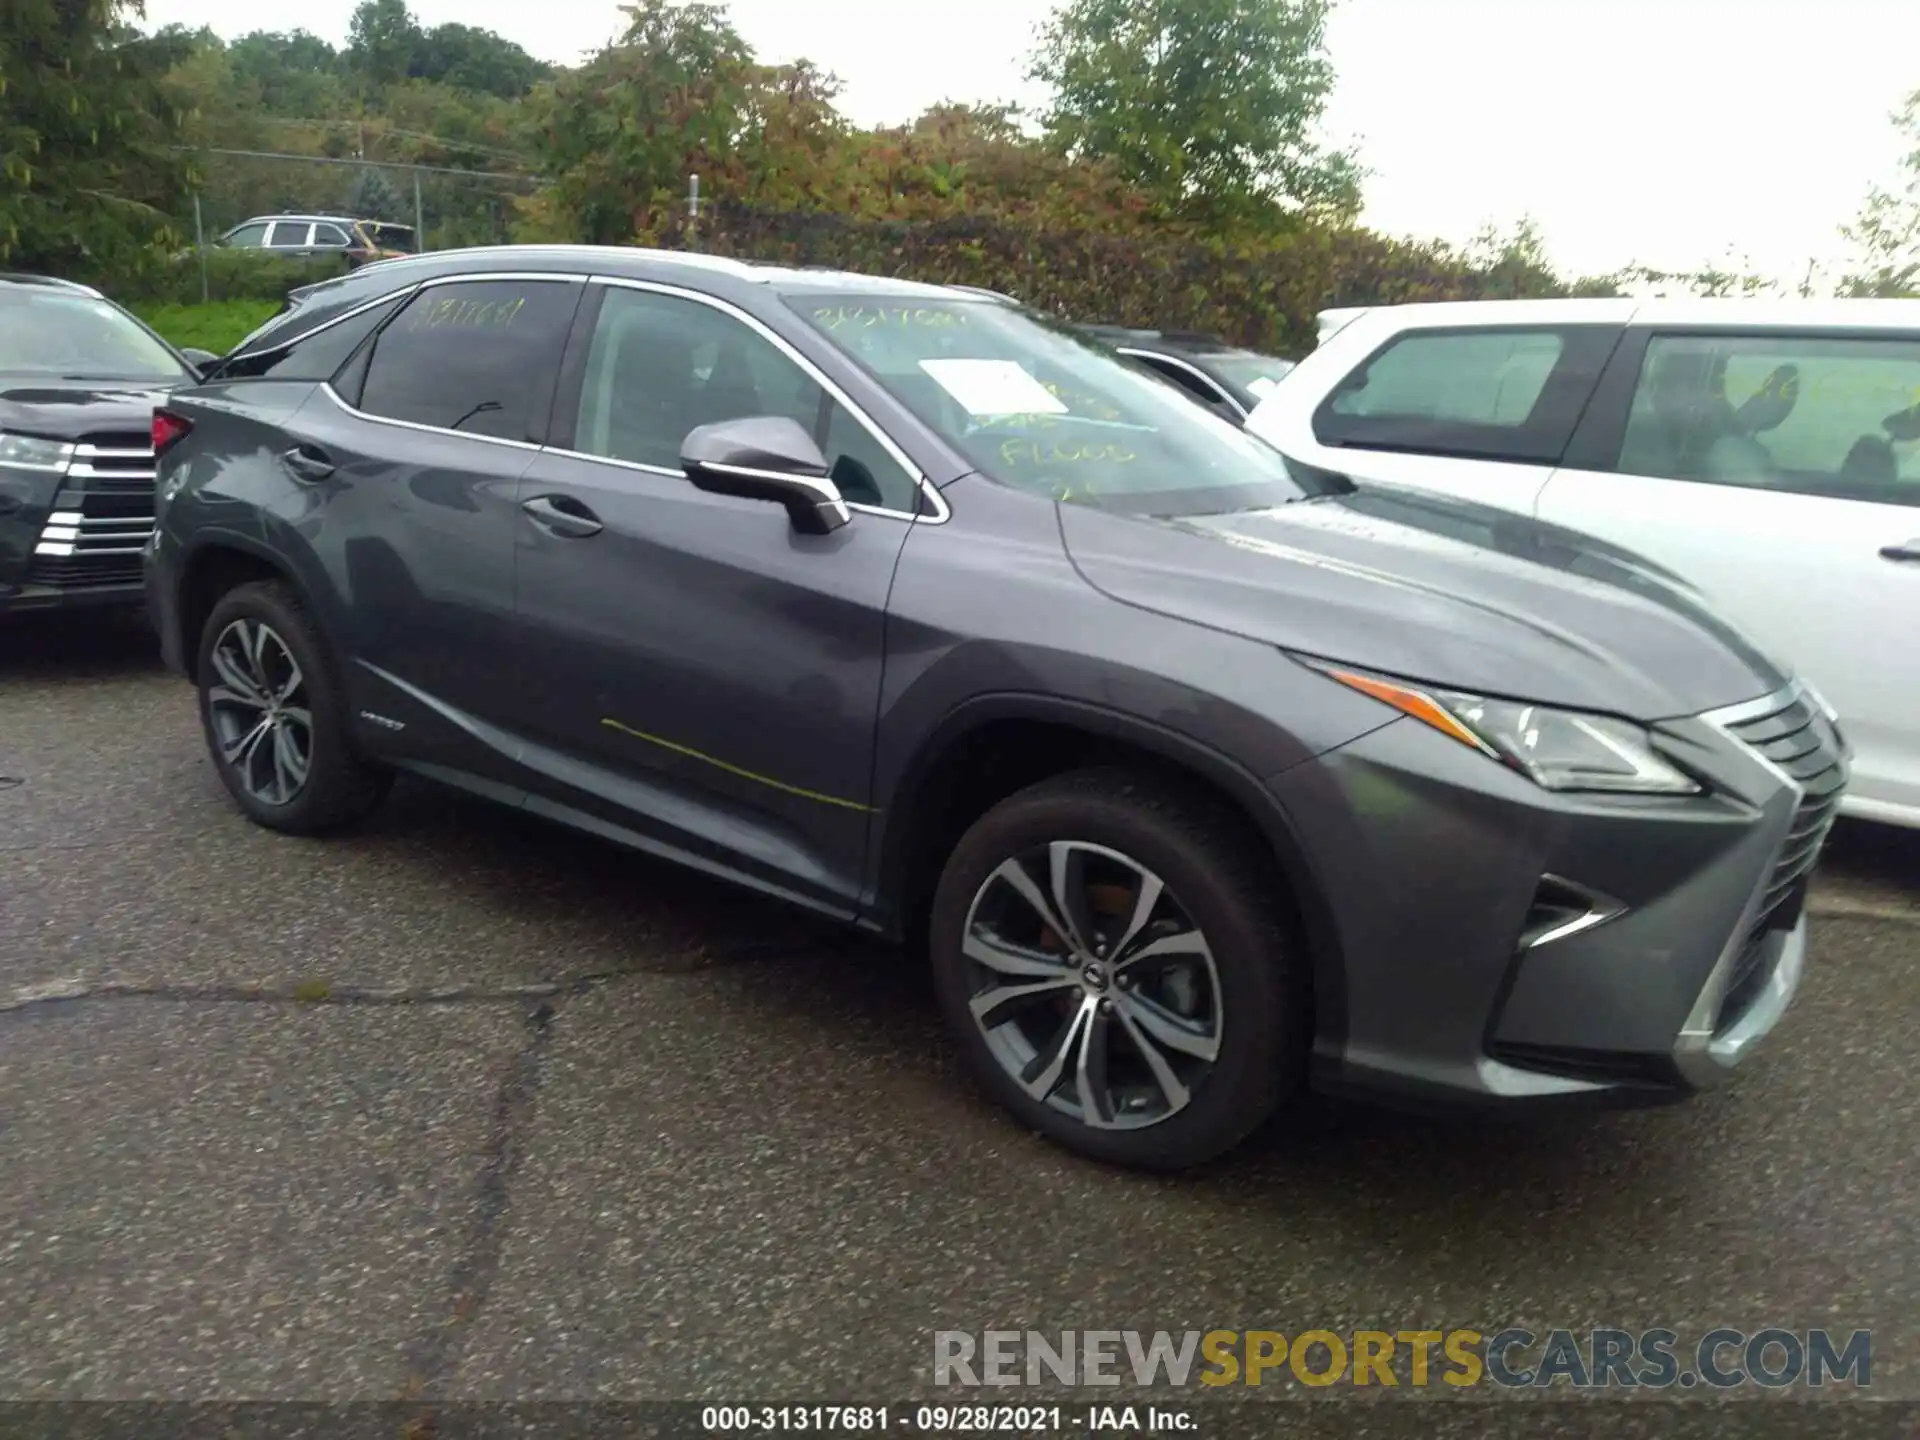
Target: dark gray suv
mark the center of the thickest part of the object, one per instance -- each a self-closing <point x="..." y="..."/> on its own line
<point x="1200" y="774"/>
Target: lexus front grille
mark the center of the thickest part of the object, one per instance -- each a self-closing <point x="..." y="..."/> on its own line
<point x="1796" y="740"/>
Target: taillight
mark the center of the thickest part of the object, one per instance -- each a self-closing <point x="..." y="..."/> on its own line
<point x="168" y="430"/>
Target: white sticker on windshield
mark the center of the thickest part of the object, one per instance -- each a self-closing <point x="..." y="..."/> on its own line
<point x="993" y="387"/>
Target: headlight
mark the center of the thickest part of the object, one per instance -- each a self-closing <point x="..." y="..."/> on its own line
<point x="1556" y="749"/>
<point x="29" y="452"/>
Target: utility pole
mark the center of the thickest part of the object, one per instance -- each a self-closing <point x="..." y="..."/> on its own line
<point x="419" y="216"/>
<point x="693" y="211"/>
<point x="200" y="244"/>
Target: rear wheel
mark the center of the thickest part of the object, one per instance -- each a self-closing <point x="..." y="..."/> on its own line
<point x="1112" y="955"/>
<point x="274" y="715"/>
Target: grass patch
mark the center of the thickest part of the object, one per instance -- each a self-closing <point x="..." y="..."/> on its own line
<point x="217" y="327"/>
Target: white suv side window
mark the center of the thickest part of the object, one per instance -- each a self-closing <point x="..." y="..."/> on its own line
<point x="1492" y="378"/>
<point x="1816" y="415"/>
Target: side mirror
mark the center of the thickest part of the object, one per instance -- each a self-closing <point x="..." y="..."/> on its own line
<point x="767" y="457"/>
<point x="201" y="360"/>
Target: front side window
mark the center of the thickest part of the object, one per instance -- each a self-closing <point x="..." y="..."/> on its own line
<point x="1830" y="416"/>
<point x="1509" y="394"/>
<point x="1041" y="409"/>
<point x="477" y="356"/>
<point x="660" y="366"/>
<point x="78" y="337"/>
<point x="248" y="236"/>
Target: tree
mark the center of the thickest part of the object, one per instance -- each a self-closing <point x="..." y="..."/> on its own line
<point x="1209" y="104"/>
<point x="619" y="136"/>
<point x="1886" y="234"/>
<point x="473" y="59"/>
<point x="1513" y="264"/>
<point x="382" y="41"/>
<point x="1731" y="278"/>
<point x="86" y="122"/>
<point x="292" y="74"/>
<point x="374" y="198"/>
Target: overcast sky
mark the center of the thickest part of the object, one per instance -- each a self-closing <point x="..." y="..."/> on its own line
<point x="1664" y="131"/>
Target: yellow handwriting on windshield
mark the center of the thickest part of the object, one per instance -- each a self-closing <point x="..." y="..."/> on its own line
<point x="897" y="317"/>
<point x="1032" y="452"/>
<point x="456" y="314"/>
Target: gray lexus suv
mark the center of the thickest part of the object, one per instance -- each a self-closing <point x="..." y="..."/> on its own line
<point x="1198" y="775"/>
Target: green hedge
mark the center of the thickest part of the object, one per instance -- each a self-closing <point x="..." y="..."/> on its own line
<point x="1265" y="296"/>
<point x="174" y="279"/>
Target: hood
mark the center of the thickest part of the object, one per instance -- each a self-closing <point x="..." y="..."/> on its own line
<point x="69" y="409"/>
<point x="1435" y="590"/>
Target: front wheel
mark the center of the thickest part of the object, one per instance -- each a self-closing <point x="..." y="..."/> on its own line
<point x="1113" y="955"/>
<point x="275" y="716"/>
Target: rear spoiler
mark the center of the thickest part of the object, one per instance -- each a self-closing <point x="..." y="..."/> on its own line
<point x="1333" y="321"/>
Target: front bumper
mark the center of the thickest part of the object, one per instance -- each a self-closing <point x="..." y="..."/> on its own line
<point x="72" y="536"/>
<point x="1501" y="945"/>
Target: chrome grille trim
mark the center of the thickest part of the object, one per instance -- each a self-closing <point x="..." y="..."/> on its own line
<point x="1790" y="736"/>
<point x="102" y="515"/>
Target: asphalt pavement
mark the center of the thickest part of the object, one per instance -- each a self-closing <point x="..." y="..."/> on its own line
<point x="466" y="1108"/>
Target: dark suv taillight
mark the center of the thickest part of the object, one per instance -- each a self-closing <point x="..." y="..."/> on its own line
<point x="168" y="430"/>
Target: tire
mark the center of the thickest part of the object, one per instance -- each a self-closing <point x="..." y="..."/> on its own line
<point x="336" y="787"/>
<point x="1256" y="1026"/>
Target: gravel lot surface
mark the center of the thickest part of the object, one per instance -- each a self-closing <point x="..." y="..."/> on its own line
<point x="466" y="1108"/>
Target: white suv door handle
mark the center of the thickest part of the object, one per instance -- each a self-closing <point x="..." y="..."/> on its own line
<point x="1908" y="551"/>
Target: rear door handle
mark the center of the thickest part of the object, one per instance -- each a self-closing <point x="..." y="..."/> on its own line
<point x="1908" y="551"/>
<point x="307" y="463"/>
<point x="562" y="515"/>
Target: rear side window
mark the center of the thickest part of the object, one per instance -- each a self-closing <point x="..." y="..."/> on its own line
<point x="1507" y="394"/>
<point x="314" y="356"/>
<point x="329" y="235"/>
<point x="289" y="235"/>
<point x="478" y="356"/>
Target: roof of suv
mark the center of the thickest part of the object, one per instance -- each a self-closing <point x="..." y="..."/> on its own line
<point x="312" y="305"/>
<point x="1812" y="314"/>
<point x="305" y="219"/>
<point x="635" y="262"/>
<point x="49" y="282"/>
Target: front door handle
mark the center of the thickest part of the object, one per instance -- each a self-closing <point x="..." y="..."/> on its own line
<point x="562" y="515"/>
<point x="307" y="463"/>
<point x="1908" y="551"/>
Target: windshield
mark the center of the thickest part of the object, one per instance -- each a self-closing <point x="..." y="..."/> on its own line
<point x="80" y="337"/>
<point x="1252" y="375"/>
<point x="1039" y="409"/>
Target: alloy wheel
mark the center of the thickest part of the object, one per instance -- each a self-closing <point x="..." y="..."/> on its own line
<point x="1093" y="987"/>
<point x="259" y="712"/>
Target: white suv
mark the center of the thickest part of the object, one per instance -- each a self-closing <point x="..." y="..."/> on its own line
<point x="1768" y="452"/>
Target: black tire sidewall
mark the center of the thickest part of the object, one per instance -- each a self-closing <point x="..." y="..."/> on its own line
<point x="334" y="774"/>
<point x="1262" y="1046"/>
